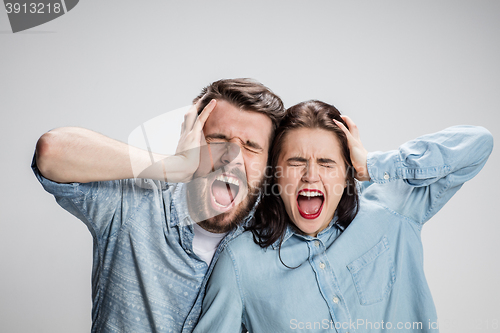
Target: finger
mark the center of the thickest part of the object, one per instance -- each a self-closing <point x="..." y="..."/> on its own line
<point x="190" y="117"/>
<point x="344" y="129"/>
<point x="202" y="118"/>
<point x="352" y="126"/>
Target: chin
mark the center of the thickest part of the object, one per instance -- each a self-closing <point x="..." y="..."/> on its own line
<point x="311" y="227"/>
<point x="227" y="221"/>
<point x="309" y="231"/>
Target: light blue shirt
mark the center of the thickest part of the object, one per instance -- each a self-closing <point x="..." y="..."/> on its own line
<point x="366" y="278"/>
<point x="145" y="275"/>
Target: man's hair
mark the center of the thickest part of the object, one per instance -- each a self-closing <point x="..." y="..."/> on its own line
<point x="246" y="94"/>
<point x="271" y="218"/>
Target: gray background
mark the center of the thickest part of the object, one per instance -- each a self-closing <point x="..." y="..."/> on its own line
<point x="398" y="68"/>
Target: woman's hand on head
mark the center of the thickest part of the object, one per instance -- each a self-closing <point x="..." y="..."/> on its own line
<point x="358" y="152"/>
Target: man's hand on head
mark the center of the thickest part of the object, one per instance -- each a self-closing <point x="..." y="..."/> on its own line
<point x="193" y="154"/>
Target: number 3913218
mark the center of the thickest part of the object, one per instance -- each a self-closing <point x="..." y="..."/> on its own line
<point x="33" y="8"/>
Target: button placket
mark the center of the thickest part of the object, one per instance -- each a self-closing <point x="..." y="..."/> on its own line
<point x="327" y="283"/>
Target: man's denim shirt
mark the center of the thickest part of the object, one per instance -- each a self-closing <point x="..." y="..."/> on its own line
<point x="366" y="278"/>
<point x="145" y="275"/>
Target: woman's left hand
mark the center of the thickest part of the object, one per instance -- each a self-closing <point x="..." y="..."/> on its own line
<point x="358" y="152"/>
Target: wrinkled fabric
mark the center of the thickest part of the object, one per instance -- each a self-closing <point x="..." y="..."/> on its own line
<point x="145" y="275"/>
<point x="366" y="278"/>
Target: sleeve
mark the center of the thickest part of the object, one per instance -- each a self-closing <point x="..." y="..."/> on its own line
<point x="222" y="309"/>
<point x="419" y="178"/>
<point x="102" y="206"/>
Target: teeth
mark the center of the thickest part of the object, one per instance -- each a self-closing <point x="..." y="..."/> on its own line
<point x="311" y="194"/>
<point x="230" y="180"/>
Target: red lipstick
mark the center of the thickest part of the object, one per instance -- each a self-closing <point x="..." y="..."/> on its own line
<point x="304" y="214"/>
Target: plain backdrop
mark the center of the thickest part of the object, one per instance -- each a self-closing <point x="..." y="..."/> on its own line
<point x="399" y="69"/>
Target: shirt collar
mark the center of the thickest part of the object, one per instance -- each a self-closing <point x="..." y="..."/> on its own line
<point x="180" y="206"/>
<point x="290" y="231"/>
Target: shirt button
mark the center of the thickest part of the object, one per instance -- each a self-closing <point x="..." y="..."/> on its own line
<point x="386" y="176"/>
<point x="335" y="300"/>
<point x="316" y="243"/>
<point x="321" y="265"/>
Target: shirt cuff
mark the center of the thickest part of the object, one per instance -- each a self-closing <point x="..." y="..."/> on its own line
<point x="384" y="167"/>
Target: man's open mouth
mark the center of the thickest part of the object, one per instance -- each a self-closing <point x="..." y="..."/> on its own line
<point x="310" y="203"/>
<point x="225" y="188"/>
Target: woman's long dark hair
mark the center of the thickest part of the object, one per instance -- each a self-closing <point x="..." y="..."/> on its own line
<point x="271" y="218"/>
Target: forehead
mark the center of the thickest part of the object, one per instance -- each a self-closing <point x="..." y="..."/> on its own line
<point x="311" y="142"/>
<point x="232" y="122"/>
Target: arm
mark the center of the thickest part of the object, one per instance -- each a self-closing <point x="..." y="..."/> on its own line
<point x="222" y="306"/>
<point x="420" y="177"/>
<point x="86" y="172"/>
<point x="423" y="174"/>
<point x="71" y="154"/>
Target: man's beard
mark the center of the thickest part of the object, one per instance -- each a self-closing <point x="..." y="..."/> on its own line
<point x="199" y="196"/>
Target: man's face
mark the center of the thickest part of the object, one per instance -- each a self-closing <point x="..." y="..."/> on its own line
<point x="227" y="195"/>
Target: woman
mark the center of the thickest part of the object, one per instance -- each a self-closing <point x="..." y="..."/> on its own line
<point x="317" y="258"/>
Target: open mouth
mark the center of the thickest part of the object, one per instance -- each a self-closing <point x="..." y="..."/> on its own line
<point x="225" y="188"/>
<point x="310" y="203"/>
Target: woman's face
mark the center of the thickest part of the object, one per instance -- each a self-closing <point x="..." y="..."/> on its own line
<point x="312" y="175"/>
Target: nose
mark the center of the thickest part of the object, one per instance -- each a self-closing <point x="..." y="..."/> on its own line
<point x="311" y="173"/>
<point x="231" y="155"/>
<point x="225" y="155"/>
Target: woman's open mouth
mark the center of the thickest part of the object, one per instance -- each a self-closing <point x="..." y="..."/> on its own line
<point x="310" y="203"/>
<point x="225" y="188"/>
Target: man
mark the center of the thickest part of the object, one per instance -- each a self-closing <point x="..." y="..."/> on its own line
<point x="151" y="259"/>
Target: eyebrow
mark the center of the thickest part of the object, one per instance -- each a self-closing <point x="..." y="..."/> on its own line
<point x="326" y="161"/>
<point x="248" y="143"/>
<point x="297" y="159"/>
<point x="304" y="160"/>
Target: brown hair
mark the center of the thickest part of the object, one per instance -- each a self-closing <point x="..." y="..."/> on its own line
<point x="271" y="219"/>
<point x="246" y="94"/>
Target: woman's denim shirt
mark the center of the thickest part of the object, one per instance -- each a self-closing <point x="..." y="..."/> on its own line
<point x="366" y="278"/>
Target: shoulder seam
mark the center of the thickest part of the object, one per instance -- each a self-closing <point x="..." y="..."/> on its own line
<point x="419" y="225"/>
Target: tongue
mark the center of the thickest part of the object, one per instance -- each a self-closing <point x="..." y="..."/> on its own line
<point x="222" y="193"/>
<point x="309" y="205"/>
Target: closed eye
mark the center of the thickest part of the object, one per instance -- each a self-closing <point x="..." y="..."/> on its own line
<point x="250" y="146"/>
<point x="214" y="140"/>
<point x="252" y="149"/>
<point x="296" y="161"/>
